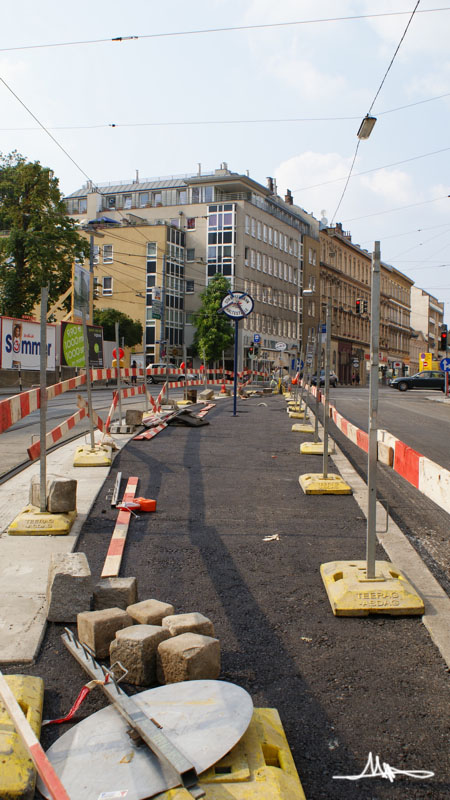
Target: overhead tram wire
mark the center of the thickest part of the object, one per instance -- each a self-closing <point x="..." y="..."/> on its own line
<point x="228" y="29"/>
<point x="263" y="121"/>
<point x="372" y="105"/>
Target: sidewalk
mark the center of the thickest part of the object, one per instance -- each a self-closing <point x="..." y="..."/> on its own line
<point x="344" y="687"/>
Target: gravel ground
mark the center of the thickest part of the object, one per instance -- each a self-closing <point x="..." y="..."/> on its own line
<point x="343" y="686"/>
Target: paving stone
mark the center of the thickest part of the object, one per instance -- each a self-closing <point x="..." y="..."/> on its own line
<point x="189" y="657"/>
<point x="115" y="593"/>
<point x="188" y="623"/>
<point x="97" y="629"/>
<point x="150" y="612"/>
<point x="61" y="494"/>
<point x="69" y="587"/>
<point x="133" y="416"/>
<point x="136" y="649"/>
<point x="206" y="394"/>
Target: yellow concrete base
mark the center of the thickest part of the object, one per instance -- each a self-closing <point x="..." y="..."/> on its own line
<point x="297" y="415"/>
<point x="181" y="403"/>
<point x="298" y="427"/>
<point x="259" y="767"/>
<point x="317" y="484"/>
<point x="352" y="594"/>
<point x="315" y="448"/>
<point x="100" y="456"/>
<point x="17" y="773"/>
<point x="33" y="522"/>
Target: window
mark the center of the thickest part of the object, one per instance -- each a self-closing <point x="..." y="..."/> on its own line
<point x="270" y="235"/>
<point x="285" y="243"/>
<point x="189" y="287"/>
<point x="156" y="199"/>
<point x="264" y="263"/>
<point x="190" y="254"/>
<point x="190" y="223"/>
<point x="253" y="227"/>
<point x="111" y="201"/>
<point x="151" y="249"/>
<point x="290" y="274"/>
<point x="82" y="206"/>
<point x="258" y="261"/>
<point x="247" y="223"/>
<point x="259" y="230"/>
<point x="182" y="196"/>
<point x="252" y="259"/>
<point x="127" y="201"/>
<point x="275" y="238"/>
<point x="265" y="233"/>
<point x="143" y="199"/>
<point x="285" y="272"/>
<point x="107" y="253"/>
<point x="269" y="268"/>
<point x="247" y="252"/>
<point x="107" y="285"/>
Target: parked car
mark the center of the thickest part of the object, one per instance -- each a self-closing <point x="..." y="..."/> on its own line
<point x="190" y="376"/>
<point x="428" y="379"/>
<point x="333" y="378"/>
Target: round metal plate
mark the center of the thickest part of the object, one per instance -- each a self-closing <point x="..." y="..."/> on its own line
<point x="204" y="719"/>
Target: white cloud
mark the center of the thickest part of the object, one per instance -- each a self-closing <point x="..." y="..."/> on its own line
<point x="309" y="81"/>
<point x="392" y="185"/>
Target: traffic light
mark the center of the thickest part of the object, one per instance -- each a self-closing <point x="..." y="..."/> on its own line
<point x="443" y="338"/>
<point x="365" y="306"/>
<point x="256" y="349"/>
<point x="358" y="305"/>
<point x="250" y="350"/>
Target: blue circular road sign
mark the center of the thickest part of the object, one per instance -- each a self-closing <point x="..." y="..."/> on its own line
<point x="445" y="364"/>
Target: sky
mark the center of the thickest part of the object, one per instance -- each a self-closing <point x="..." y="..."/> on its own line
<point x="231" y="93"/>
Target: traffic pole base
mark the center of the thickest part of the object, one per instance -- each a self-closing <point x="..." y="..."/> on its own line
<point x="18" y="775"/>
<point x="315" y="448"/>
<point x="297" y="415"/>
<point x="33" y="522"/>
<point x="317" y="484"/>
<point x="181" y="403"/>
<point x="298" y="427"/>
<point x="100" y="456"/>
<point x="352" y="594"/>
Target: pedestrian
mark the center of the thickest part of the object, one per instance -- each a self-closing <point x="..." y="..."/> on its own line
<point x="134" y="377"/>
<point x="357" y="378"/>
<point x="353" y="378"/>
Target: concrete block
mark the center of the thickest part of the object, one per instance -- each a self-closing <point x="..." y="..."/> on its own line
<point x="136" y="649"/>
<point x="206" y="394"/>
<point x="189" y="657"/>
<point x="115" y="593"/>
<point x="97" y="629"/>
<point x="69" y="587"/>
<point x="133" y="416"/>
<point x="385" y="454"/>
<point x="188" y="623"/>
<point x="150" y="612"/>
<point x="61" y="494"/>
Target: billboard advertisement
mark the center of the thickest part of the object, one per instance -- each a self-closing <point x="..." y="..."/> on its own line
<point x="72" y="345"/>
<point x="81" y="291"/>
<point x="21" y="344"/>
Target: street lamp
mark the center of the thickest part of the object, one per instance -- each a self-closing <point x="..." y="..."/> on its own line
<point x="366" y="127"/>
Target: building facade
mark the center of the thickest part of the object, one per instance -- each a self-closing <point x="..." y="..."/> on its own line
<point x="427" y="315"/>
<point x="231" y="225"/>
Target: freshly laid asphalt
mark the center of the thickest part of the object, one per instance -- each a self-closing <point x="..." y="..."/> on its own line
<point x="344" y="687"/>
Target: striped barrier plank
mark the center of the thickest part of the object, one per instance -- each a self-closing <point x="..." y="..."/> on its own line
<point x="15" y="408"/>
<point x="56" y="434"/>
<point x="406" y="463"/>
<point x="98" y="422"/>
<point x="152" y="432"/>
<point x="114" y="555"/>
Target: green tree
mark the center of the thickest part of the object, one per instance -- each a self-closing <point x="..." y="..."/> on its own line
<point x="130" y="329"/>
<point x="214" y="332"/>
<point x="39" y="242"/>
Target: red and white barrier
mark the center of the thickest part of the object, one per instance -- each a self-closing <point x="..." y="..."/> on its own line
<point x="15" y="408"/>
<point x="116" y="547"/>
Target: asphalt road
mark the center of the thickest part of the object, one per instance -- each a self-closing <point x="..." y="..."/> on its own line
<point x="416" y="417"/>
<point x="344" y="687"/>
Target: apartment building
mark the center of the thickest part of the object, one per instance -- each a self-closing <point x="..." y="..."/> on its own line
<point x="427" y="316"/>
<point x="345" y="276"/>
<point x="231" y="225"/>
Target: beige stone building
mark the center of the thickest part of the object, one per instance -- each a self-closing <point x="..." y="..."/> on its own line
<point x="230" y="224"/>
<point x="427" y="316"/>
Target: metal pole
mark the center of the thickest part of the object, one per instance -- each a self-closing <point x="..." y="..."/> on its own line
<point x="163" y="328"/>
<point x="317" y="369"/>
<point x="236" y="329"/>
<point x="119" y="387"/>
<point x="43" y="399"/>
<point x="373" y="412"/>
<point x="326" y="413"/>
<point x="88" y="379"/>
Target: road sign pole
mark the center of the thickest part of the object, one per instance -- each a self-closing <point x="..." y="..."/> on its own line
<point x="373" y="413"/>
<point x="236" y="331"/>
<point x="88" y="380"/>
<point x="43" y="401"/>
<point x="119" y="386"/>
<point x="326" y="413"/>
<point x="317" y="363"/>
